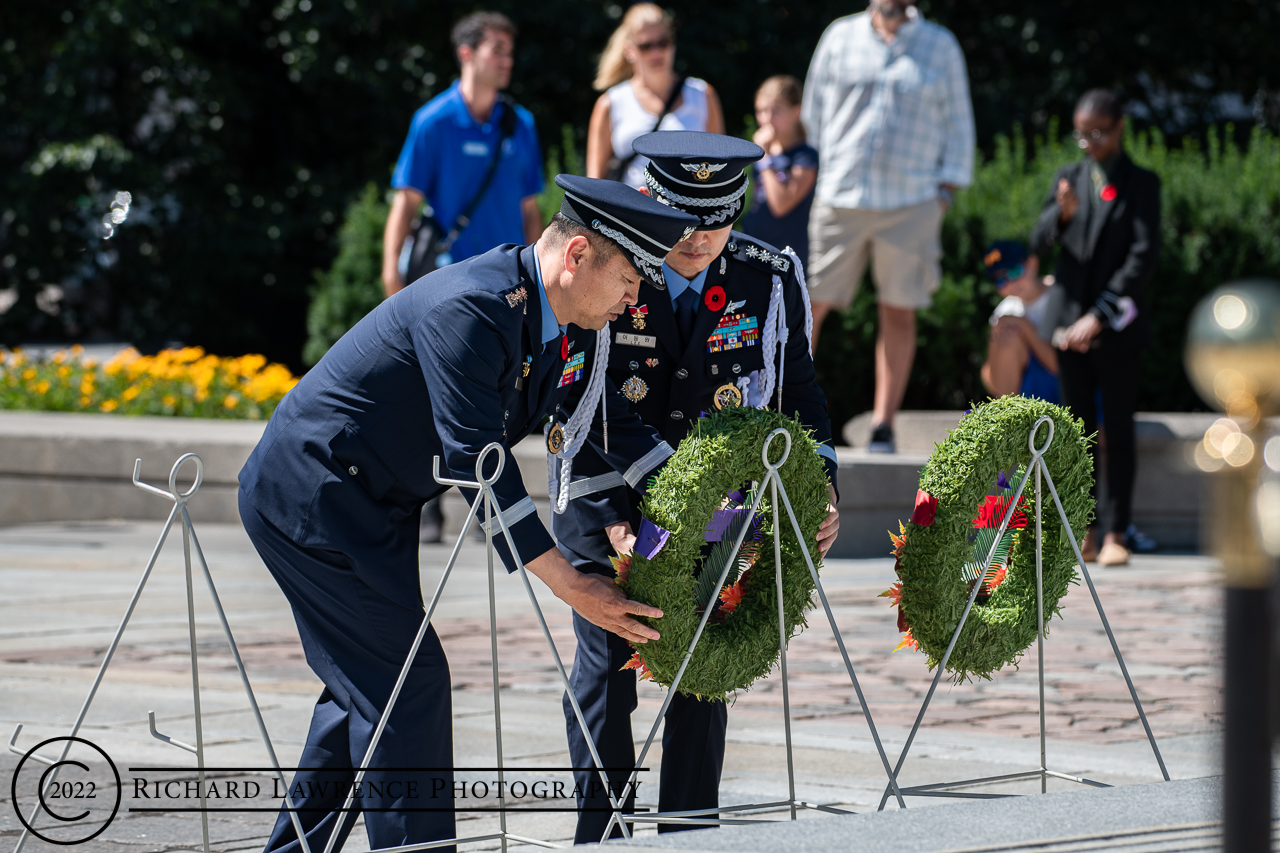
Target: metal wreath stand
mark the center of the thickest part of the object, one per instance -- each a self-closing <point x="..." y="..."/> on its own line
<point x="945" y="789"/>
<point x="189" y="541"/>
<point x="702" y="817"/>
<point x="485" y="495"/>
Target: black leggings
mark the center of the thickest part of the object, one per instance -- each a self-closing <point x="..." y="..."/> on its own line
<point x="1116" y="373"/>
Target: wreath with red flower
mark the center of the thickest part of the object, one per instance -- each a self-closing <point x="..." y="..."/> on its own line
<point x="698" y="504"/>
<point x="965" y="492"/>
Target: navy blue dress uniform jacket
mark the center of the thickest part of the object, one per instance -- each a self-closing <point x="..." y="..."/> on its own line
<point x="346" y="462"/>
<point x="679" y="383"/>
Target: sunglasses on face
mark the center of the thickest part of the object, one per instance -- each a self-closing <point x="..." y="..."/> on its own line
<point x="658" y="44"/>
<point x="1005" y="276"/>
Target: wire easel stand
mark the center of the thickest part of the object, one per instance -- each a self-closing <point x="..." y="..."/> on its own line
<point x="710" y="817"/>
<point x="949" y="789"/>
<point x="484" y="496"/>
<point x="189" y="542"/>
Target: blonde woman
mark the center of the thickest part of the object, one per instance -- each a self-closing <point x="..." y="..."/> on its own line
<point x="643" y="93"/>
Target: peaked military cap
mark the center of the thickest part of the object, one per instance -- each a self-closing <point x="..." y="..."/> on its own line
<point x="645" y="230"/>
<point x="699" y="173"/>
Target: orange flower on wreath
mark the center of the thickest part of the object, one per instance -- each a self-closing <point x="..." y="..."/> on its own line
<point x="639" y="666"/>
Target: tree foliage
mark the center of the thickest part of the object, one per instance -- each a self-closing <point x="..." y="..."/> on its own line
<point x="243" y="130"/>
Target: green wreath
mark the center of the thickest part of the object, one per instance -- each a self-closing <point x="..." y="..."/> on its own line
<point x="720" y="458"/>
<point x="942" y="549"/>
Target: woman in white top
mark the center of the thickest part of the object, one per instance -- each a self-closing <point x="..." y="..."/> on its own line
<point x="637" y="75"/>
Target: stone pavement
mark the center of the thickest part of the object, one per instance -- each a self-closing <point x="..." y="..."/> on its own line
<point x="66" y="586"/>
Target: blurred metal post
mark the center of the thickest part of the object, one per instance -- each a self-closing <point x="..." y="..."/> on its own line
<point x="1233" y="359"/>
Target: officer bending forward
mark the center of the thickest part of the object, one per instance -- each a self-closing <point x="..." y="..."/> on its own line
<point x="694" y="342"/>
<point x="477" y="352"/>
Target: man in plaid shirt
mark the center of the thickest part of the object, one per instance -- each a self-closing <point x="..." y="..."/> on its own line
<point x="886" y="104"/>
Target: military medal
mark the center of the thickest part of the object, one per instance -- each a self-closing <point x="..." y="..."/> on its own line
<point x="635" y="389"/>
<point x="728" y="396"/>
<point x="524" y="372"/>
<point x="637" y="315"/>
<point x="555" y="439"/>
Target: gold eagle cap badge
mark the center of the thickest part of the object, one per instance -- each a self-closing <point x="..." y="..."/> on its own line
<point x="703" y="171"/>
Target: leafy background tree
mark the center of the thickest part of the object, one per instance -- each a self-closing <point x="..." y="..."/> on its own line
<point x="245" y="130"/>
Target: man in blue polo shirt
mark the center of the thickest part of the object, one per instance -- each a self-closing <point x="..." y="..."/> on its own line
<point x="450" y="146"/>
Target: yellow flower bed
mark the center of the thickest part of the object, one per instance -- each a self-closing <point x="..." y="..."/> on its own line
<point x="184" y="382"/>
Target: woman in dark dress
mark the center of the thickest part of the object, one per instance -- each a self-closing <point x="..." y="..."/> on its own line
<point x="785" y="178"/>
<point x="1102" y="215"/>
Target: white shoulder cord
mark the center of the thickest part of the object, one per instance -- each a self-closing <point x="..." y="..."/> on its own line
<point x="804" y="292"/>
<point x="775" y="332"/>
<point x="579" y="425"/>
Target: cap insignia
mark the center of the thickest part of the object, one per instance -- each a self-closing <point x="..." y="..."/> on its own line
<point x="703" y="171"/>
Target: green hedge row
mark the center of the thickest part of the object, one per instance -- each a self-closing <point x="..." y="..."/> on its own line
<point x="1219" y="221"/>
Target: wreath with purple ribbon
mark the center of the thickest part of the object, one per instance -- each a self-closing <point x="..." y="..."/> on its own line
<point x="693" y="514"/>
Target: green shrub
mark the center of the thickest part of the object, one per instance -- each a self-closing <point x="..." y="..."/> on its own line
<point x="1219" y="222"/>
<point x="353" y="285"/>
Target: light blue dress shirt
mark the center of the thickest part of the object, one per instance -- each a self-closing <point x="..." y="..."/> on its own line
<point x="677" y="283"/>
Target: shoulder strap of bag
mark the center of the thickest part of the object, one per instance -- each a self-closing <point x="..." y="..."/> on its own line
<point x="625" y="162"/>
<point x="506" y="129"/>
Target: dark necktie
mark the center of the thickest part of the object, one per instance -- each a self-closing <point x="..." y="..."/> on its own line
<point x="686" y="314"/>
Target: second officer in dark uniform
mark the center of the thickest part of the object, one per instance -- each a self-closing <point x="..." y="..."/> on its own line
<point x="730" y="327"/>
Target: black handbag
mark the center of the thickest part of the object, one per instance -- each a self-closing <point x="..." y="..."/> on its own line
<point x="431" y="242"/>
<point x="617" y="168"/>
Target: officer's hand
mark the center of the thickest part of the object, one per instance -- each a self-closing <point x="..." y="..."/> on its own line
<point x="830" y="527"/>
<point x="601" y="602"/>
<point x="595" y="598"/>
<point x="621" y="537"/>
<point x="1067" y="201"/>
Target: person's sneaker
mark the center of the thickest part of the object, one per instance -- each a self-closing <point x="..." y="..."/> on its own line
<point x="882" y="440"/>
<point x="1138" y="542"/>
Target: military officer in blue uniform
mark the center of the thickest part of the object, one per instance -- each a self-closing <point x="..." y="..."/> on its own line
<point x="477" y="352"/>
<point x="728" y="324"/>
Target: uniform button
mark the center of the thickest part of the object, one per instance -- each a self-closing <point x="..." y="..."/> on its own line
<point x="737" y="368"/>
<point x="506" y="415"/>
<point x="682" y="374"/>
<point x="353" y="470"/>
<point x="677" y="415"/>
<point x="635" y="365"/>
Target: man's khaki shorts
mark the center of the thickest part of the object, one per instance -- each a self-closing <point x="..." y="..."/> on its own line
<point x="904" y="246"/>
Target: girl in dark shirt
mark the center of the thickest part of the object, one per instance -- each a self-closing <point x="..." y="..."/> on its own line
<point x="786" y="176"/>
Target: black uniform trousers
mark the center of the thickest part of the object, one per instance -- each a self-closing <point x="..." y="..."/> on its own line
<point x="356" y="640"/>
<point x="692" y="736"/>
<point x="1115" y="372"/>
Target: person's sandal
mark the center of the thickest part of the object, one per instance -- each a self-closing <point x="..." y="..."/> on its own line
<point x="1113" y="554"/>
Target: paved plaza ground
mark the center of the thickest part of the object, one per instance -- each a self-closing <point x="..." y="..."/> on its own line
<point x="66" y="586"/>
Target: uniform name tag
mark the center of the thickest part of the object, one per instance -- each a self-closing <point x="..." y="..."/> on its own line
<point x="627" y="339"/>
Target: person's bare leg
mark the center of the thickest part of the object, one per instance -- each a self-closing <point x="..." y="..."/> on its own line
<point x="895" y="351"/>
<point x="1007" y="356"/>
<point x="820" y="312"/>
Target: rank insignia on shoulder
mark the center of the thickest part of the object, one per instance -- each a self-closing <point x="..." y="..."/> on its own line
<point x="555" y="439"/>
<point x="728" y="396"/>
<point x="777" y="262"/>
<point x="637" y="315"/>
<point x="517" y="296"/>
<point x="651" y="362"/>
<point x="635" y="389"/>
<point x="572" y="369"/>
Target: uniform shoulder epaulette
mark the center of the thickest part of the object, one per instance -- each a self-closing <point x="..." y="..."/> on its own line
<point x="744" y="248"/>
